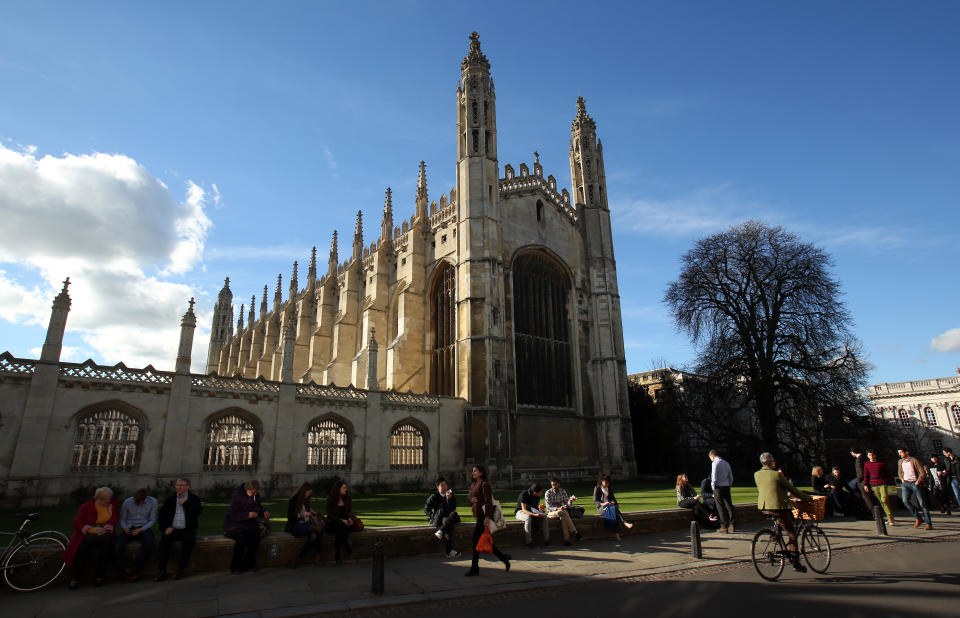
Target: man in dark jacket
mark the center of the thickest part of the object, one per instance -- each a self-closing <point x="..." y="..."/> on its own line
<point x="528" y="511"/>
<point x="441" y="512"/>
<point x="178" y="520"/>
<point x="859" y="458"/>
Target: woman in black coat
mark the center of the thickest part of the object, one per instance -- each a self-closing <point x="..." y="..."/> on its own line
<point x="340" y="518"/>
<point x="303" y="522"/>
<point x="603" y="498"/>
<point x="687" y="498"/>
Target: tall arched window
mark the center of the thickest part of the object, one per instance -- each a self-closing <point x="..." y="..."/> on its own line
<point x="542" y="332"/>
<point x="955" y="410"/>
<point x="107" y="440"/>
<point x="408" y="449"/>
<point x="231" y="444"/>
<point x="443" y="328"/>
<point x="904" y="418"/>
<point x="326" y="446"/>
<point x="930" y="417"/>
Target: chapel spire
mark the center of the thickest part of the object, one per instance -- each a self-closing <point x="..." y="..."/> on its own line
<point x="422" y="197"/>
<point x="53" y="344"/>
<point x="333" y="261"/>
<point x="252" y="314"/>
<point x="386" y="226"/>
<point x="312" y="271"/>
<point x="222" y="326"/>
<point x="240" y="319"/>
<point x="187" y="326"/>
<point x="475" y="57"/>
<point x="263" y="304"/>
<point x="358" y="238"/>
<point x="294" y="283"/>
<point x="277" y="295"/>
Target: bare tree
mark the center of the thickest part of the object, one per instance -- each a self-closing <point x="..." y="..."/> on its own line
<point x="772" y="333"/>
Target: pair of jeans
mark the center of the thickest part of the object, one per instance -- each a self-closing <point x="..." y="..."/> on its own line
<point x="721" y="494"/>
<point x="145" y="538"/>
<point x="566" y="523"/>
<point x="477" y="533"/>
<point x="96" y="546"/>
<point x="908" y="490"/>
<point x="187" y="537"/>
<point x="447" y="526"/>
<point x="245" y="544"/>
<point x="955" y="486"/>
<point x="528" y="522"/>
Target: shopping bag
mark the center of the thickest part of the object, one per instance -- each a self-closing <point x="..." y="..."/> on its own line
<point x="485" y="544"/>
<point x="610" y="516"/>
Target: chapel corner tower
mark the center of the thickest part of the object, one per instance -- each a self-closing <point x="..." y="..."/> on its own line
<point x="481" y="350"/>
<point x="608" y="371"/>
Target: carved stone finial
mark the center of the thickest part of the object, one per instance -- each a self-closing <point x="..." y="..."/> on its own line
<point x="583" y="120"/>
<point x="475" y="57"/>
<point x="191" y="304"/>
<point x="536" y="157"/>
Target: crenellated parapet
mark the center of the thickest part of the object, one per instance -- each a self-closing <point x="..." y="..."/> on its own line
<point x="525" y="182"/>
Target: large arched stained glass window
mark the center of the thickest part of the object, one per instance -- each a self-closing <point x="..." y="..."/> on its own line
<point x="106" y="441"/>
<point x="326" y="446"/>
<point x="407" y="447"/>
<point x="231" y="444"/>
<point x="542" y="332"/>
<point x="443" y="330"/>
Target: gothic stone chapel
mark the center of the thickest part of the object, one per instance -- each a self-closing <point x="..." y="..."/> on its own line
<point x="498" y="302"/>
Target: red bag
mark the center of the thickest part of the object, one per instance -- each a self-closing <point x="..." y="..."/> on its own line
<point x="485" y="544"/>
<point x="357" y="525"/>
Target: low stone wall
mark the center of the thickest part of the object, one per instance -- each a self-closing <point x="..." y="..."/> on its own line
<point x="213" y="553"/>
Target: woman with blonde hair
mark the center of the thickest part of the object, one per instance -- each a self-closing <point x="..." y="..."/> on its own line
<point x="93" y="536"/>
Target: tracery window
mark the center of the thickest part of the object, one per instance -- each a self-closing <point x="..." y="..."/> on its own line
<point x="542" y="332"/>
<point x="231" y="443"/>
<point x="904" y="418"/>
<point x="326" y="446"/>
<point x="930" y="417"/>
<point x="956" y="416"/>
<point x="106" y="441"/>
<point x="407" y="447"/>
<point x="443" y="327"/>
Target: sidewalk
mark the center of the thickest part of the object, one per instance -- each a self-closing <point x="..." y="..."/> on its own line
<point x="310" y="590"/>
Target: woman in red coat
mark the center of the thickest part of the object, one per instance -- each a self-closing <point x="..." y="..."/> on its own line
<point x="93" y="536"/>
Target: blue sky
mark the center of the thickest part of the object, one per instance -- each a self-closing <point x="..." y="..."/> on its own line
<point x="151" y="150"/>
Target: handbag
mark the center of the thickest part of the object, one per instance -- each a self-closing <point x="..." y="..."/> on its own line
<point x="485" y="544"/>
<point x="610" y="516"/>
<point x="576" y="512"/>
<point x="263" y="526"/>
<point x="497" y="522"/>
<point x="357" y="525"/>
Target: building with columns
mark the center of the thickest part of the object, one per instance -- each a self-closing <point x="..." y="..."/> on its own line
<point x="497" y="302"/>
<point x="926" y="411"/>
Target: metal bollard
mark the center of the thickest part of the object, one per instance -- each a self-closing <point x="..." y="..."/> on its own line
<point x="881" y="522"/>
<point x="376" y="586"/>
<point x="696" y="549"/>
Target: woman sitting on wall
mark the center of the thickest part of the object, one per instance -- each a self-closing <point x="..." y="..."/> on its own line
<point x="604" y="498"/>
<point x="93" y="535"/>
<point x="340" y="518"/>
<point x="303" y="522"/>
<point x="687" y="498"/>
<point x="240" y="524"/>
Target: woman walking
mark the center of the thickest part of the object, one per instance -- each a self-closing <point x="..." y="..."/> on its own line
<point x="303" y="522"/>
<point x="876" y="476"/>
<point x="481" y="500"/>
<point x="340" y="518"/>
<point x="604" y="498"/>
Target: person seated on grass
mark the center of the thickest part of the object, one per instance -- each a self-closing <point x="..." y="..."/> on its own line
<point x="93" y="537"/>
<point x="687" y="498"/>
<point x="138" y="514"/>
<point x="557" y="508"/>
<point x="441" y="512"/>
<point x="240" y="524"/>
<point x="340" y="518"/>
<point x="178" y="519"/>
<point x="603" y="498"/>
<point x="304" y="523"/>
<point x="528" y="511"/>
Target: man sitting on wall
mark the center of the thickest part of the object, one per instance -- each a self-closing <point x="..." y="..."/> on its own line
<point x="441" y="512"/>
<point x="138" y="514"/>
<point x="528" y="511"/>
<point x="557" y="505"/>
<point x="179" y="518"/>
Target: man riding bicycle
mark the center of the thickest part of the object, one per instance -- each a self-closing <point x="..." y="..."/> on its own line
<point x="772" y="500"/>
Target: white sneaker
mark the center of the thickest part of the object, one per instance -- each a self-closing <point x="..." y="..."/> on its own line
<point x="453" y="554"/>
<point x="438" y="534"/>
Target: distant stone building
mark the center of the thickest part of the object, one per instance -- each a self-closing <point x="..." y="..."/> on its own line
<point x="927" y="412"/>
<point x="499" y="302"/>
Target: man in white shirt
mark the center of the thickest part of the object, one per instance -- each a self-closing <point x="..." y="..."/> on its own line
<point x="721" y="479"/>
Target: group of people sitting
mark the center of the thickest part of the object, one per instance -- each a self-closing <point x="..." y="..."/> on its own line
<point x="102" y="529"/>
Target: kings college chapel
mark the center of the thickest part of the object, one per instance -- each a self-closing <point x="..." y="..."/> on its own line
<point x="486" y="328"/>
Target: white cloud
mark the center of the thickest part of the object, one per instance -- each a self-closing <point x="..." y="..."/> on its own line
<point x="331" y="163"/>
<point x="118" y="233"/>
<point x="947" y="342"/>
<point x="67" y="353"/>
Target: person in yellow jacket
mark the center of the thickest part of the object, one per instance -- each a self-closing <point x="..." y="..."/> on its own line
<point x="772" y="499"/>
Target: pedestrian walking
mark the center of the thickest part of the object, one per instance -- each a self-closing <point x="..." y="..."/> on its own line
<point x="721" y="480"/>
<point x="859" y="463"/>
<point x="938" y="484"/>
<point x="951" y="464"/>
<point x="481" y="501"/>
<point x="877" y="477"/>
<point x="912" y="477"/>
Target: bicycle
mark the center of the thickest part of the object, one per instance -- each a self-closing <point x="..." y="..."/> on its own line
<point x="31" y="562"/>
<point x="769" y="551"/>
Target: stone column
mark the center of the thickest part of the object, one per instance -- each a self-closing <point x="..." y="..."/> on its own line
<point x="187" y="326"/>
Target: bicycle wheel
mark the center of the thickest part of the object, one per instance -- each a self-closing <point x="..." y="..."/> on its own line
<point x="767" y="554"/>
<point x="815" y="547"/>
<point x="35" y="563"/>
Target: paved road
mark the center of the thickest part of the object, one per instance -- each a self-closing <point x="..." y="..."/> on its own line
<point x="914" y="578"/>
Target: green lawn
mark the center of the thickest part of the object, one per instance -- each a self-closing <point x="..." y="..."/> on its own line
<point x="397" y="509"/>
